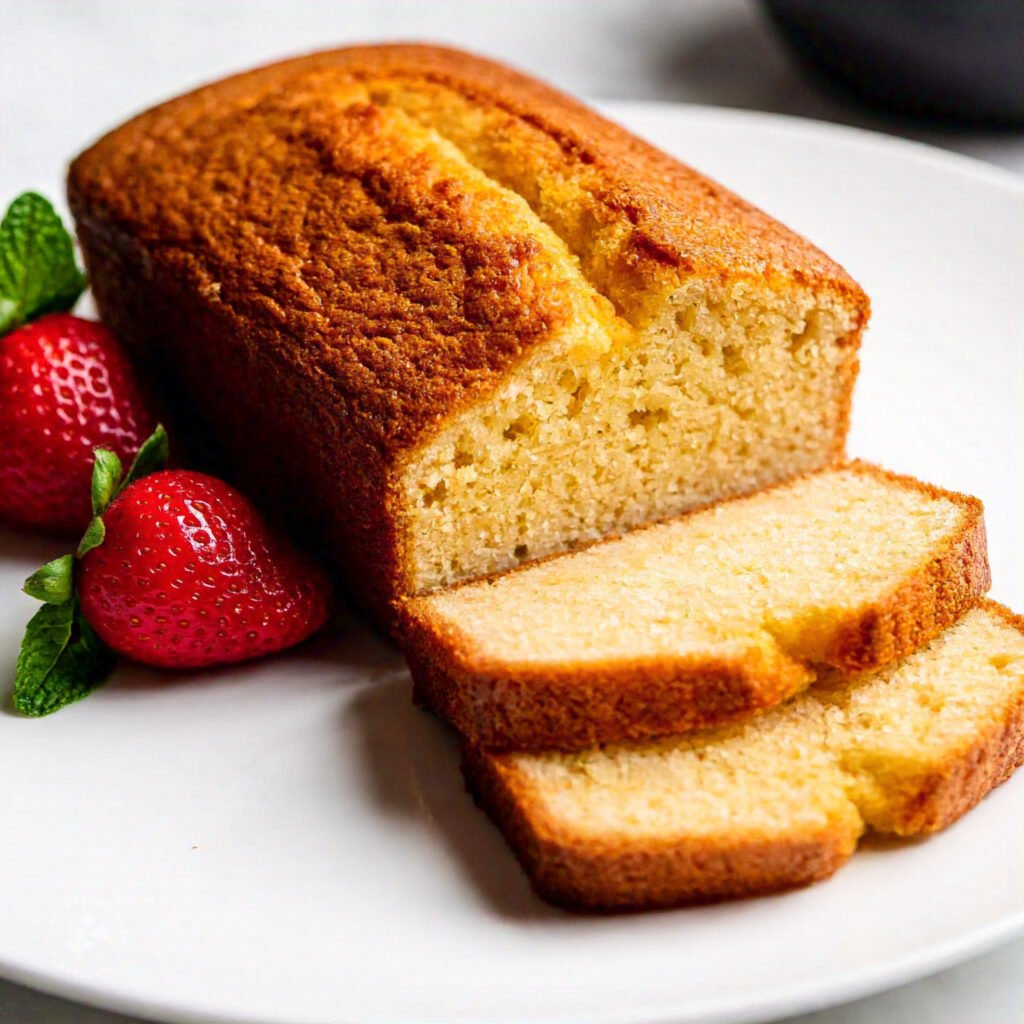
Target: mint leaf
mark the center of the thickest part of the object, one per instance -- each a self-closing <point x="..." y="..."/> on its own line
<point x="53" y="583"/>
<point x="150" y="458"/>
<point x="61" y="660"/>
<point x="95" y="534"/>
<point x="106" y="477"/>
<point x="38" y="272"/>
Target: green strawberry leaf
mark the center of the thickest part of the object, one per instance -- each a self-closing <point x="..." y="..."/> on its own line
<point x="95" y="534"/>
<point x="53" y="583"/>
<point x="61" y="660"/>
<point x="38" y="272"/>
<point x="106" y="478"/>
<point x="150" y="458"/>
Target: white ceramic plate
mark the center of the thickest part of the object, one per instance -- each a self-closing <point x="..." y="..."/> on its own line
<point x="291" y="843"/>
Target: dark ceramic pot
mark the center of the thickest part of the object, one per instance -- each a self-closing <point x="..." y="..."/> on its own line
<point x="954" y="60"/>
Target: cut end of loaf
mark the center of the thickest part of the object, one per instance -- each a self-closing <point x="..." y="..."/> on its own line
<point x="725" y="389"/>
<point x="467" y="321"/>
<point x="730" y="373"/>
<point x="780" y="800"/>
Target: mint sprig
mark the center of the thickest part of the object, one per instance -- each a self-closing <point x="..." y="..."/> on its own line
<point x="38" y="272"/>
<point x="61" y="658"/>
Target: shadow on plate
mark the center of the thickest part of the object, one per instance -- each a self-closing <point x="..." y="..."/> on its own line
<point x="356" y="653"/>
<point x="411" y="769"/>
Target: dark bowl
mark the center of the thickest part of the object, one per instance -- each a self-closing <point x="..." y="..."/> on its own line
<point x="948" y="60"/>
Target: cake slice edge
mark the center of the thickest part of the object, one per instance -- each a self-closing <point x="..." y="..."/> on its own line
<point x="501" y="705"/>
<point x="595" y="872"/>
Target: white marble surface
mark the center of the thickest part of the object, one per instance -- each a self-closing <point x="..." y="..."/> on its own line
<point x="73" y="67"/>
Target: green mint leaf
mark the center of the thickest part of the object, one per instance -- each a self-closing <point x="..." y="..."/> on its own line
<point x="38" y="272"/>
<point x="94" y="535"/>
<point x="54" y="582"/>
<point x="61" y="660"/>
<point x="151" y="457"/>
<point x="47" y="636"/>
<point x="106" y="477"/>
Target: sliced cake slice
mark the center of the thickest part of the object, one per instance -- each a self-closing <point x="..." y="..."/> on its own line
<point x="780" y="800"/>
<point x="702" y="619"/>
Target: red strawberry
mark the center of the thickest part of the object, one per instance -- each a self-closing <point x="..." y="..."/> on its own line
<point x="189" y="575"/>
<point x="66" y="387"/>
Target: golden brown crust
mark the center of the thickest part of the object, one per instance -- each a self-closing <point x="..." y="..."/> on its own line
<point x="529" y="707"/>
<point x="301" y="283"/>
<point x="921" y="607"/>
<point x="676" y="216"/>
<point x="588" y="873"/>
<point x="564" y="706"/>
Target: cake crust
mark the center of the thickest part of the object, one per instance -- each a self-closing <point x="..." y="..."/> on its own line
<point x="606" y="875"/>
<point x="319" y="301"/>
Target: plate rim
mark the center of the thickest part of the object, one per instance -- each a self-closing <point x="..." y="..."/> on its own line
<point x="756" y="1008"/>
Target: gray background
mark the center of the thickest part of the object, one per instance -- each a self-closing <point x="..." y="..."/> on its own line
<point x="71" y="68"/>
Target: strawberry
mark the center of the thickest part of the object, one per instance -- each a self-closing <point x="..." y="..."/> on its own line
<point x="66" y="387"/>
<point x="189" y="575"/>
<point x="176" y="569"/>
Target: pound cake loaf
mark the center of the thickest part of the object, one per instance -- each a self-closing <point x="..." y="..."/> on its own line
<point x="779" y="801"/>
<point x="701" y="619"/>
<point x="448" y="319"/>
